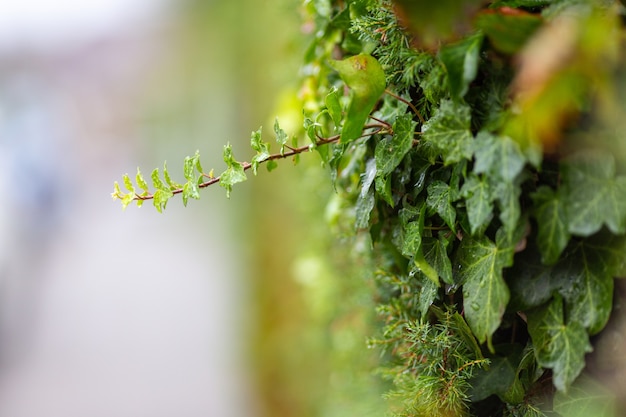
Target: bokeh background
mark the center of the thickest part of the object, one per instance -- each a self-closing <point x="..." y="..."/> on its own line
<point x="111" y="313"/>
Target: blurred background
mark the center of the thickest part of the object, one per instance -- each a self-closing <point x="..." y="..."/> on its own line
<point x="105" y="312"/>
<point x="224" y="308"/>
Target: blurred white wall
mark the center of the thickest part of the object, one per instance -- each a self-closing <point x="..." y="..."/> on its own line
<point x="104" y="312"/>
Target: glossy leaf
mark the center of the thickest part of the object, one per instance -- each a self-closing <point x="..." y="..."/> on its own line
<point x="234" y="172"/>
<point x="391" y="150"/>
<point x="448" y="132"/>
<point x="439" y="200"/>
<point x="485" y="294"/>
<point x="587" y="286"/>
<point x="498" y="156"/>
<point x="479" y="200"/>
<point x="435" y="254"/>
<point x="552" y="235"/>
<point x="461" y="62"/>
<point x="366" y="79"/>
<point x="281" y="136"/>
<point x="559" y="346"/>
<point x="366" y="200"/>
<point x="593" y="195"/>
<point x="262" y="150"/>
<point x="333" y="106"/>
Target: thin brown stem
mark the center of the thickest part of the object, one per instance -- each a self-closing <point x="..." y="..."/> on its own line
<point x="408" y="103"/>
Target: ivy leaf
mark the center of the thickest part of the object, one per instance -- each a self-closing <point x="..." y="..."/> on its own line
<point x="435" y="254"/>
<point x="586" y="283"/>
<point x="162" y="193"/>
<point x="141" y="182"/>
<point x="392" y="150"/>
<point x="262" y="150"/>
<point x="461" y="62"/>
<point x="448" y="132"/>
<point x="497" y="379"/>
<point x="559" y="346"/>
<point x="281" y="136"/>
<point x="507" y="195"/>
<point x="440" y="200"/>
<point x="592" y="194"/>
<point x="498" y="156"/>
<point x="507" y="28"/>
<point x="234" y="172"/>
<point x="333" y="106"/>
<point x="168" y="180"/>
<point x="477" y="195"/>
<point x="485" y="294"/>
<point x="366" y="200"/>
<point x="552" y="235"/>
<point x="585" y="398"/>
<point x="365" y="77"/>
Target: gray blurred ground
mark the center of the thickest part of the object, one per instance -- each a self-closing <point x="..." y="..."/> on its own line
<point x="104" y="312"/>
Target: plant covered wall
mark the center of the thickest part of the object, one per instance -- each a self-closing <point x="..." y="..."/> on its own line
<point x="479" y="146"/>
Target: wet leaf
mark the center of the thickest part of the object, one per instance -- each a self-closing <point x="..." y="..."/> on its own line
<point x="366" y="79"/>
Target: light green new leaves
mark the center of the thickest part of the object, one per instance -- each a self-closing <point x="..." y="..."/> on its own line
<point x="559" y="346"/>
<point x="593" y="195"/>
<point x="552" y="235"/>
<point x="448" y="132"/>
<point x="191" y="169"/>
<point x="234" y="172"/>
<point x="461" y="63"/>
<point x="485" y="294"/>
<point x="366" y="78"/>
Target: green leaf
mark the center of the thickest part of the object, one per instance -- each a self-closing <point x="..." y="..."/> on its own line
<point x="366" y="78"/>
<point x="461" y="62"/>
<point x="234" y="172"/>
<point x="585" y="398"/>
<point x="508" y="29"/>
<point x="392" y="150"/>
<point x="497" y="379"/>
<point x="592" y="194"/>
<point x="485" y="294"/>
<point x="448" y="132"/>
<point x="435" y="254"/>
<point x="262" y="150"/>
<point x="162" y="193"/>
<point x="507" y="195"/>
<point x="559" y="346"/>
<point x="128" y="184"/>
<point x="333" y="106"/>
<point x="440" y="200"/>
<point x="192" y="163"/>
<point x="587" y="286"/>
<point x="190" y="190"/>
<point x="479" y="200"/>
<point x="366" y="200"/>
<point x="140" y="181"/>
<point x="281" y="136"/>
<point x="498" y="156"/>
<point x="172" y="184"/>
<point x="552" y="235"/>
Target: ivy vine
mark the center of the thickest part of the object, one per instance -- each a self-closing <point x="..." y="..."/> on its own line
<point x="479" y="146"/>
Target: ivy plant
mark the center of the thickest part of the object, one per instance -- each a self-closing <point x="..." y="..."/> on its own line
<point x="479" y="146"/>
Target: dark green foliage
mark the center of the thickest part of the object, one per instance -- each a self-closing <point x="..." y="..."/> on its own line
<point x="496" y="232"/>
